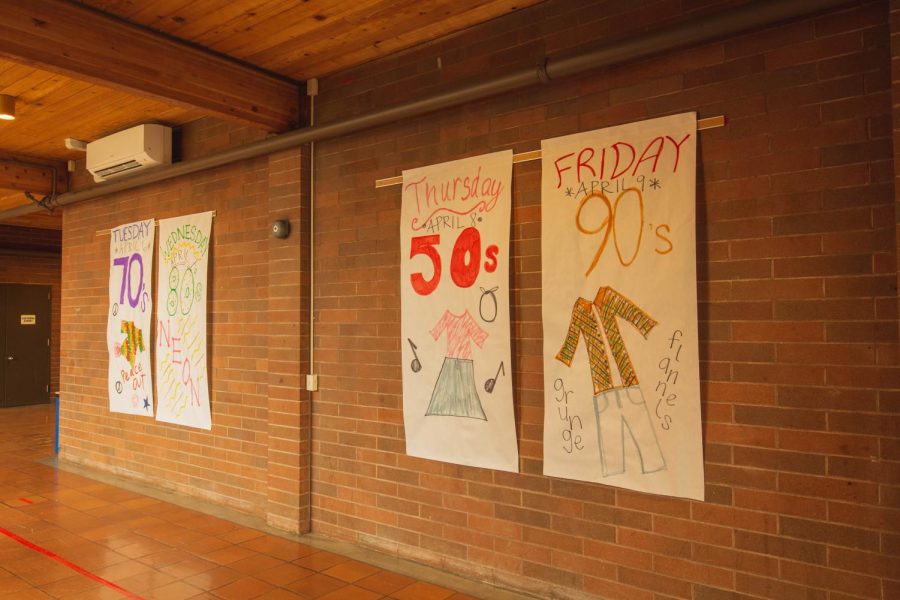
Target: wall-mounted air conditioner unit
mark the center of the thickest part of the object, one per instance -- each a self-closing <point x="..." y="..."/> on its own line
<point x="129" y="151"/>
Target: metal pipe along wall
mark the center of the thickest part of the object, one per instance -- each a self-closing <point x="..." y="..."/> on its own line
<point x="702" y="29"/>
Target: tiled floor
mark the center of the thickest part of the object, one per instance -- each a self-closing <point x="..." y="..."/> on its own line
<point x="65" y="536"/>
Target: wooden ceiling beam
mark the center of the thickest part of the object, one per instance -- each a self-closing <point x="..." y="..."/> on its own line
<point x="30" y="177"/>
<point x="60" y="36"/>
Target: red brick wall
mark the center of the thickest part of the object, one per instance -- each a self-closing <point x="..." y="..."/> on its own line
<point x="894" y="19"/>
<point x="287" y="335"/>
<point x="257" y="339"/>
<point x="797" y="271"/>
<point x="798" y="315"/>
<point x="30" y="239"/>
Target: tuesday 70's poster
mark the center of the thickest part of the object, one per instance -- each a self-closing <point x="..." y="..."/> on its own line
<point x="454" y="297"/>
<point x="128" y="322"/>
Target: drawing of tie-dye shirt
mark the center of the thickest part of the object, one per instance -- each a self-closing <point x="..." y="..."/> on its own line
<point x="461" y="330"/>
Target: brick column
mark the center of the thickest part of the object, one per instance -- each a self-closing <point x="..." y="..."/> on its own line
<point x="288" y="329"/>
<point x="894" y="24"/>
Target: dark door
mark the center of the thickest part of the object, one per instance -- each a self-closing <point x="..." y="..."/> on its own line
<point x="25" y="344"/>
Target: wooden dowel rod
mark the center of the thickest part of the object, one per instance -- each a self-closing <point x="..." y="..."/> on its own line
<point x="708" y="123"/>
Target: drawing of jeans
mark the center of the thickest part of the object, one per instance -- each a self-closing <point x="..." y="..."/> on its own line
<point x="619" y="410"/>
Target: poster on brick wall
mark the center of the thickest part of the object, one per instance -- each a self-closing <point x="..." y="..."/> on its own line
<point x="182" y="382"/>
<point x="130" y="381"/>
<point x="454" y="303"/>
<point x="619" y="302"/>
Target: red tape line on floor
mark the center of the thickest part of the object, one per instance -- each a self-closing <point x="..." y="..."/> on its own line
<point x="71" y="565"/>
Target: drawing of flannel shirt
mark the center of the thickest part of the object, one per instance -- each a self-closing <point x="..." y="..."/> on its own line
<point x="609" y="304"/>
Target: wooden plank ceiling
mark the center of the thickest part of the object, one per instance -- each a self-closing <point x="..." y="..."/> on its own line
<point x="87" y="69"/>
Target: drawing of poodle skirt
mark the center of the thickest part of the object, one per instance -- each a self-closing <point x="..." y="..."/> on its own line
<point x="455" y="393"/>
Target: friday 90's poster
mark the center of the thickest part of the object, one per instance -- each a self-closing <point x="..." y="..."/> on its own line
<point x="454" y="298"/>
<point x="619" y="302"/>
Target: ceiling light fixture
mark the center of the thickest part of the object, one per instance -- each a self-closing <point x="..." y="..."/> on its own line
<point x="7" y="107"/>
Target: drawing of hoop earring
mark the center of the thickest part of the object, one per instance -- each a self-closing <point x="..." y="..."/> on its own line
<point x="488" y="293"/>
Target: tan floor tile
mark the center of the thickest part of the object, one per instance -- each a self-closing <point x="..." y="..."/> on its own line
<point x="29" y="594"/>
<point x="214" y="578"/>
<point x="17" y="502"/>
<point x="144" y="582"/>
<point x="12" y="516"/>
<point x="244" y="589"/>
<point x="228" y="555"/>
<point x="188" y="539"/>
<point x="41" y="531"/>
<point x="140" y="502"/>
<point x="101" y="593"/>
<point x="14" y="519"/>
<point x="120" y="496"/>
<point x="103" y="532"/>
<point x="319" y="561"/>
<point x="385" y="582"/>
<point x="279" y="547"/>
<point x="241" y="535"/>
<point x="141" y="521"/>
<point x="60" y="544"/>
<point x="281" y="594"/>
<point x="123" y="570"/>
<point x="284" y="573"/>
<point x="79" y="500"/>
<point x="177" y="590"/>
<point x="170" y="535"/>
<point x="255" y="563"/>
<point x="316" y="585"/>
<point x="69" y="518"/>
<point x="351" y="571"/>
<point x="38" y="570"/>
<point x="10" y="583"/>
<point x="351" y="592"/>
<point x="9" y="558"/>
<point x="186" y="517"/>
<point x="69" y="586"/>
<point x="92" y="556"/>
<point x="24" y="500"/>
<point x="189" y="567"/>
<point x="422" y="591"/>
<point x="121" y="538"/>
<point x="208" y="544"/>
<point x="169" y="556"/>
<point x="217" y="527"/>
<point x="141" y="548"/>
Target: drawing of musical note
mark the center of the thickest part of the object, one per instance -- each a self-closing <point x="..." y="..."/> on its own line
<point x="490" y="383"/>
<point x="416" y="364"/>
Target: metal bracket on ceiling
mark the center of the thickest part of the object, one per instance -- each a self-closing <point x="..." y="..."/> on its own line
<point x="48" y="202"/>
<point x="542" y="74"/>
